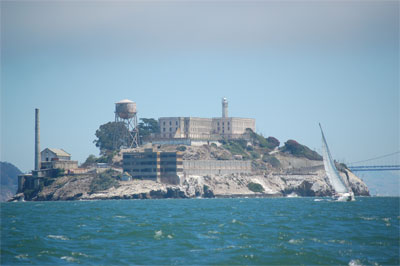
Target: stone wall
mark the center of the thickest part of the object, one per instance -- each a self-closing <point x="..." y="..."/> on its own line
<point x="214" y="167"/>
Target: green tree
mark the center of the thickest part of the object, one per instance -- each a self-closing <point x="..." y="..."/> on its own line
<point x="146" y="127"/>
<point x="111" y="136"/>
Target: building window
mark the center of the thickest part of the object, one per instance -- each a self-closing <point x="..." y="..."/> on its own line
<point x="176" y="122"/>
<point x="164" y="123"/>
<point x="218" y="123"/>
<point x="164" y="129"/>
<point x="170" y="123"/>
<point x="228" y="124"/>
<point x="170" y="129"/>
<point x="229" y="129"/>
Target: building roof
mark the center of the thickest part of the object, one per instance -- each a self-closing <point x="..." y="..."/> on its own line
<point x="125" y="101"/>
<point x="59" y="152"/>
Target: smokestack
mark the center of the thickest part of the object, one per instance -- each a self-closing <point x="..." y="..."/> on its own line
<point x="224" y="107"/>
<point x="37" y="140"/>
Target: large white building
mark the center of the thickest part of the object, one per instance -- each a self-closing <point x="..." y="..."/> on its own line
<point x="205" y="128"/>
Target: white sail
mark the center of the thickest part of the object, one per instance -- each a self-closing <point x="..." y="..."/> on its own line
<point x="330" y="168"/>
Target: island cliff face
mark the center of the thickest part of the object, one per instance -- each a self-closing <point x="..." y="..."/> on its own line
<point x="285" y="175"/>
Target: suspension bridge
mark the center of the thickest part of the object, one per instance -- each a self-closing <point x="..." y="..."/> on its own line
<point x="387" y="162"/>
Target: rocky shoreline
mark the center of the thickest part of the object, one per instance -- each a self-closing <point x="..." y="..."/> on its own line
<point x="291" y="176"/>
<point x="228" y="186"/>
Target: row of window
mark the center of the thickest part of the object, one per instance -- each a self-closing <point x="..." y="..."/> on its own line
<point x="223" y="123"/>
<point x="170" y="123"/>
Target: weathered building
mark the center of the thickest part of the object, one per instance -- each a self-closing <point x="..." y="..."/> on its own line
<point x="169" y="167"/>
<point x="51" y="154"/>
<point x="205" y="128"/>
<point x="153" y="165"/>
<point x="57" y="159"/>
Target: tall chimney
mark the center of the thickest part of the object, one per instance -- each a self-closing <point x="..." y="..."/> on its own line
<point x="224" y="107"/>
<point x="37" y="140"/>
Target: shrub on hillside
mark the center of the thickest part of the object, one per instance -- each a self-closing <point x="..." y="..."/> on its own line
<point x="298" y="150"/>
<point x="273" y="143"/>
<point x="103" y="181"/>
<point x="181" y="148"/>
<point x="236" y="147"/>
<point x="273" y="161"/>
<point x="255" y="187"/>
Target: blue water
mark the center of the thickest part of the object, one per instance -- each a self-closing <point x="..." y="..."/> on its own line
<point x="201" y="231"/>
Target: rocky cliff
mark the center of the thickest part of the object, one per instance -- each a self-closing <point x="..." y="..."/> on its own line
<point x="284" y="175"/>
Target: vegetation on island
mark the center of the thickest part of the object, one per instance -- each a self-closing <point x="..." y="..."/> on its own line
<point x="104" y="181"/>
<point x="296" y="149"/>
<point x="110" y="137"/>
<point x="255" y="187"/>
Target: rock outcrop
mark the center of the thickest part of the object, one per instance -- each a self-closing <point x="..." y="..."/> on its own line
<point x="278" y="174"/>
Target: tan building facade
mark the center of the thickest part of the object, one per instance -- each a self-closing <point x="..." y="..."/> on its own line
<point x="205" y="128"/>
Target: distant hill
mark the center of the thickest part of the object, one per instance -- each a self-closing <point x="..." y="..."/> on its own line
<point x="8" y="180"/>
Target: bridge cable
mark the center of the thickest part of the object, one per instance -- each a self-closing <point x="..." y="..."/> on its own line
<point x="379" y="157"/>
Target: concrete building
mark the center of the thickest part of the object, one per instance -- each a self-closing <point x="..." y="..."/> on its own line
<point x="197" y="128"/>
<point x="153" y="165"/>
<point x="57" y="159"/>
<point x="169" y="167"/>
<point x="51" y="154"/>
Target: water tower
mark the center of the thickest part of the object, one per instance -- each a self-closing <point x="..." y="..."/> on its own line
<point x="125" y="112"/>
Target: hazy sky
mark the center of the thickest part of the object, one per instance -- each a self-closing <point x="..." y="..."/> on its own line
<point x="288" y="64"/>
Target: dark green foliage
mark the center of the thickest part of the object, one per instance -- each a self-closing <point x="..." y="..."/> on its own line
<point x="257" y="139"/>
<point x="255" y="187"/>
<point x="104" y="181"/>
<point x="249" y="148"/>
<point x="236" y="147"/>
<point x="106" y="135"/>
<point x="181" y="148"/>
<point x="91" y="159"/>
<point x="273" y="161"/>
<point x="254" y="155"/>
<point x="273" y="142"/>
<point x="223" y="156"/>
<point x="146" y="127"/>
<point x="298" y="150"/>
<point x="107" y="157"/>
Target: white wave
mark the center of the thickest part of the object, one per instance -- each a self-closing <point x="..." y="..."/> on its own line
<point x="296" y="241"/>
<point x="338" y="241"/>
<point x="58" y="237"/>
<point x="69" y="259"/>
<point x="355" y="263"/>
<point x="22" y="256"/>
<point x="170" y="237"/>
<point x="79" y="254"/>
<point x="157" y="234"/>
<point x="213" y="232"/>
<point x="368" y="218"/>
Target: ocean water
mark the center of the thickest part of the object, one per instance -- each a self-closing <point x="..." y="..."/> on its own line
<point x="202" y="231"/>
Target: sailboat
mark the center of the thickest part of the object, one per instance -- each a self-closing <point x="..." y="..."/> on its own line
<point x="342" y="193"/>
